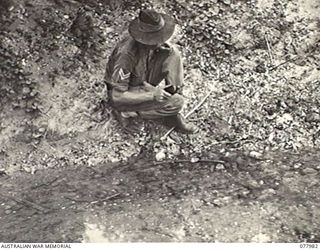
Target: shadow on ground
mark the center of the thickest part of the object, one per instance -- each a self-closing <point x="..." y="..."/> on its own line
<point x="230" y="199"/>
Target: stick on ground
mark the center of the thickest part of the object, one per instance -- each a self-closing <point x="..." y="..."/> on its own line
<point x="269" y="48"/>
<point x="28" y="203"/>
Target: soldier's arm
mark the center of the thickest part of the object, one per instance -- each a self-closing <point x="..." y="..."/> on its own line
<point x="173" y="70"/>
<point x="158" y="94"/>
<point x="121" y="76"/>
<point x="131" y="98"/>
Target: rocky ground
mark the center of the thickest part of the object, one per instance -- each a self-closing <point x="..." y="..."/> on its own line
<point x="69" y="172"/>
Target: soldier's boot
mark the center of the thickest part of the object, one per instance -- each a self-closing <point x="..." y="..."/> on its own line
<point x="180" y="124"/>
<point x="126" y="121"/>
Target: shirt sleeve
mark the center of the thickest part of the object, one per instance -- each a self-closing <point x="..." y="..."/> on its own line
<point x="121" y="72"/>
<point x="173" y="70"/>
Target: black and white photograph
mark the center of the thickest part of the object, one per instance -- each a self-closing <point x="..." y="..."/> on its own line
<point x="159" y="121"/>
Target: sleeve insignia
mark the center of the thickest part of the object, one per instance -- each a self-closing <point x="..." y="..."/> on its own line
<point x="123" y="76"/>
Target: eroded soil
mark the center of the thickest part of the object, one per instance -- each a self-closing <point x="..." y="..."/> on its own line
<point x="222" y="199"/>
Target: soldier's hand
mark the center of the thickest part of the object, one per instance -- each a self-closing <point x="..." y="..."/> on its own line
<point x="160" y="95"/>
<point x="148" y="86"/>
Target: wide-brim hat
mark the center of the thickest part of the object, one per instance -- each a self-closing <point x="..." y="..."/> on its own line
<point x="151" y="27"/>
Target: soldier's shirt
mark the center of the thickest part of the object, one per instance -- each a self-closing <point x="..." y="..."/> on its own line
<point x="130" y="65"/>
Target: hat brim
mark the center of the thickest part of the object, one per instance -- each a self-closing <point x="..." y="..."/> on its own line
<point x="152" y="38"/>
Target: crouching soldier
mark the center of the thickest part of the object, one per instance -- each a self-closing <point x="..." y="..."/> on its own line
<point x="145" y="72"/>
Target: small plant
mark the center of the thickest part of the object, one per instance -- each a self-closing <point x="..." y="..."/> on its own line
<point x="16" y="86"/>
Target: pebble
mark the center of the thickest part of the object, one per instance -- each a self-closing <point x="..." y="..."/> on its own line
<point x="245" y="193"/>
<point x="160" y="156"/>
<point x="194" y="159"/>
<point x="313" y="117"/>
<point x="285" y="167"/>
<point x="253" y="184"/>
<point x="220" y="166"/>
<point x="8" y="211"/>
<point x="267" y="193"/>
<point x="217" y="202"/>
<point x="261" y="238"/>
<point x="7" y="207"/>
<point x="297" y="165"/>
<point x="26" y="90"/>
<point x="272" y="218"/>
<point x="227" y="199"/>
<point x="116" y="182"/>
<point x="270" y="191"/>
<point x="256" y="155"/>
<point x="309" y="171"/>
<point x="42" y="130"/>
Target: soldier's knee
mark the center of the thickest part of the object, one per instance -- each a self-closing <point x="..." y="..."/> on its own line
<point x="175" y="51"/>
